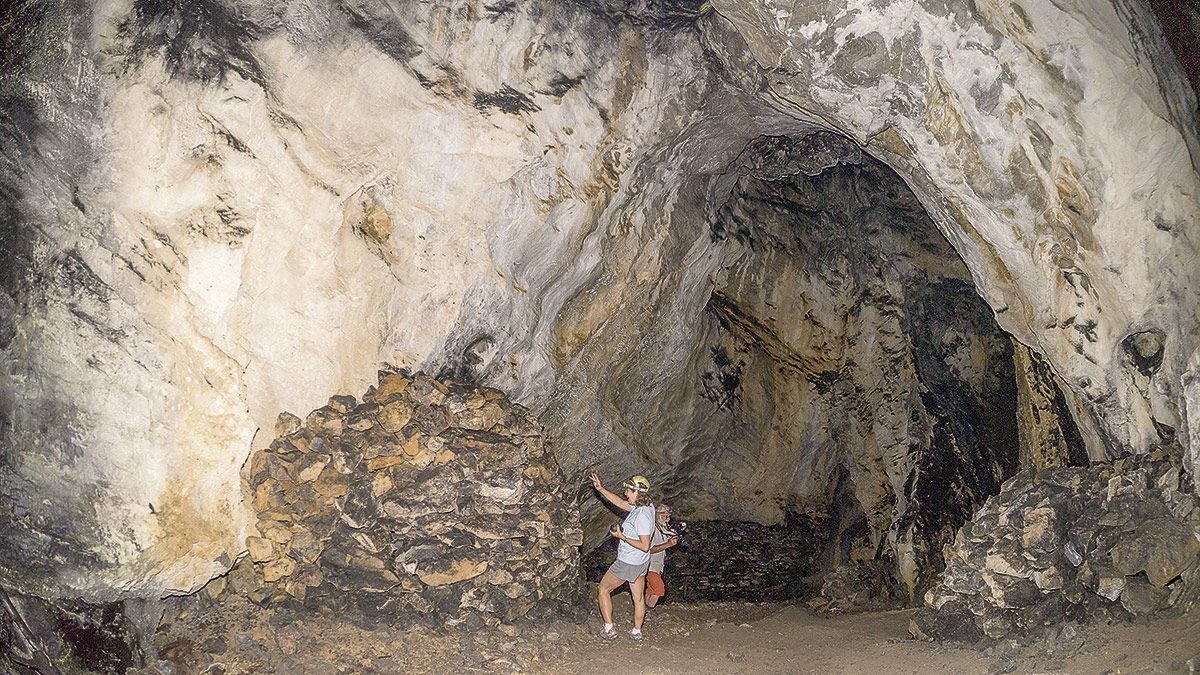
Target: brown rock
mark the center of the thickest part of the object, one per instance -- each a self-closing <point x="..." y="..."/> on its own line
<point x="1162" y="547"/>
<point x="1040" y="533"/>
<point x="278" y="569"/>
<point x="278" y="533"/>
<point x="412" y="447"/>
<point x="278" y="514"/>
<point x="381" y="484"/>
<point x="341" y="404"/>
<point x="390" y="386"/>
<point x="267" y="496"/>
<point x="296" y="590"/>
<point x="311" y="467"/>
<point x="331" y="484"/>
<point x="286" y="424"/>
<point x="261" y="549"/>
<point x="384" y="462"/>
<point x="324" y="420"/>
<point x="456" y="571"/>
<point x="393" y="416"/>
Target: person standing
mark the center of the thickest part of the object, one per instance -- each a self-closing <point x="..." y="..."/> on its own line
<point x="633" y="552"/>
<point x="662" y="539"/>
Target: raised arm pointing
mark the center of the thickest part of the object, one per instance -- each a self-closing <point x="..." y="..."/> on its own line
<point x="614" y="499"/>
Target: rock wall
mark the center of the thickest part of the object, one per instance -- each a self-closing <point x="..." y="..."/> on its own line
<point x="217" y="210"/>
<point x="428" y="502"/>
<point x="729" y="560"/>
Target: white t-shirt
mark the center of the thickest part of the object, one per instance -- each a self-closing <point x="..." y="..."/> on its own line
<point x="658" y="559"/>
<point x="639" y="521"/>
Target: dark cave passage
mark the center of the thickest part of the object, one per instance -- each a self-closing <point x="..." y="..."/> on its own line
<point x="861" y="397"/>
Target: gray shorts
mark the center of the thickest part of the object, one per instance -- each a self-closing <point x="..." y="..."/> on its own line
<point x="627" y="571"/>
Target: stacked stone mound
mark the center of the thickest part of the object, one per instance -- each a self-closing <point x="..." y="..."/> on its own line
<point x="1069" y="544"/>
<point x="428" y="502"/>
<point x="858" y="587"/>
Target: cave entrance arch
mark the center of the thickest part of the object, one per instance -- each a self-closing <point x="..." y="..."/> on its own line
<point x="860" y="399"/>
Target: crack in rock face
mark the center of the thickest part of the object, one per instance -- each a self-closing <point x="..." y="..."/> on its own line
<point x="656" y="225"/>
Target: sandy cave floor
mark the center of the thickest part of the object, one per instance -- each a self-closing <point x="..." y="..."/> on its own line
<point x="693" y="639"/>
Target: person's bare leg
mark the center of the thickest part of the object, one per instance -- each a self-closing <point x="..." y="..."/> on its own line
<point x="651" y="600"/>
<point x="637" y="590"/>
<point x="608" y="584"/>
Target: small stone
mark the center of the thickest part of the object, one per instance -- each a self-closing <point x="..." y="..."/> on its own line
<point x="1109" y="586"/>
<point x="1039" y="533"/>
<point x="385" y="462"/>
<point x="1049" y="579"/>
<point x="342" y="404"/>
<point x="261" y="550"/>
<point x="454" y="572"/>
<point x="278" y="533"/>
<point x="390" y="386"/>
<point x="310" y="468"/>
<point x="381" y="484"/>
<point x="1072" y="555"/>
<point x="324" y="420"/>
<point x="1001" y="564"/>
<point x="412" y="447"/>
<point x="330" y="484"/>
<point x="286" y="424"/>
<point x="394" y="416"/>
<point x="278" y="569"/>
<point x="735" y="657"/>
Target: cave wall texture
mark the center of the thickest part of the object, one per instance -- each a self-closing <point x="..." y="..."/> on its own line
<point x="218" y="210"/>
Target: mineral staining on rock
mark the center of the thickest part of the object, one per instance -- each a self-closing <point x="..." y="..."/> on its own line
<point x="214" y="211"/>
<point x="428" y="501"/>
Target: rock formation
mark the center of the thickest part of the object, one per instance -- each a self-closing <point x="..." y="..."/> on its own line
<point x="1069" y="544"/>
<point x="217" y="210"/>
<point x="428" y="501"/>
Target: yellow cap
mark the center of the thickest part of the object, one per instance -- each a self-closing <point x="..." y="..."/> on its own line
<point x="638" y="483"/>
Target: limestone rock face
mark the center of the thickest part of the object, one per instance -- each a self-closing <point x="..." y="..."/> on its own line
<point x="218" y="210"/>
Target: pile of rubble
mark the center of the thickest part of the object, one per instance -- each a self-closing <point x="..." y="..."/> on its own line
<point x="868" y="585"/>
<point x="1069" y="544"/>
<point x="428" y="502"/>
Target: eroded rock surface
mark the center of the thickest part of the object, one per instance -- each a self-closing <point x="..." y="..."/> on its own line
<point x="217" y="210"/>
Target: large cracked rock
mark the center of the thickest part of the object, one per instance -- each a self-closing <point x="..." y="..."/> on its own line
<point x="217" y="210"/>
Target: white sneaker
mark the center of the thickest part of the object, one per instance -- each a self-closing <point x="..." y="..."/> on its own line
<point x="635" y="633"/>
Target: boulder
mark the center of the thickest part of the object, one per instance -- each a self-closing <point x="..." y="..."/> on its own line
<point x="1162" y="548"/>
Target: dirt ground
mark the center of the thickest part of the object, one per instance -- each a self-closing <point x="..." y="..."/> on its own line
<point x="683" y="638"/>
<point x="742" y="638"/>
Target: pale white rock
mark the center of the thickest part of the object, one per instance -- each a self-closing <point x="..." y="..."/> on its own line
<point x="351" y="187"/>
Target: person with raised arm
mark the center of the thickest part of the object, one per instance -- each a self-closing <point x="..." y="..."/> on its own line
<point x="633" y="552"/>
